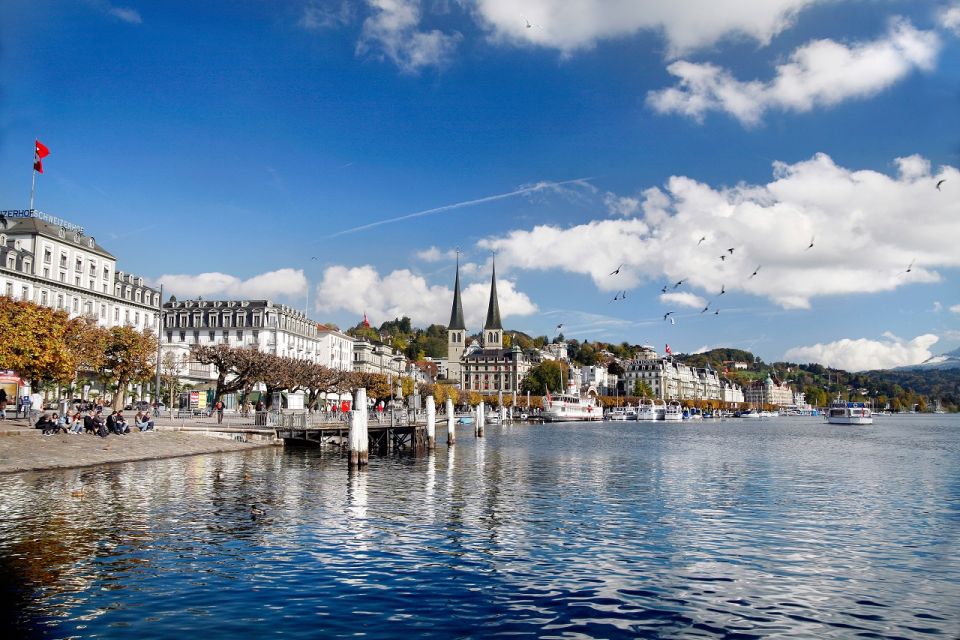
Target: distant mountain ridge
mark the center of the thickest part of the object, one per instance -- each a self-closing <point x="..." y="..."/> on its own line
<point x="950" y="360"/>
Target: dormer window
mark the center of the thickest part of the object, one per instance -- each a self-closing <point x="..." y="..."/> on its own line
<point x="76" y="236"/>
<point x="63" y="232"/>
<point x="90" y="242"/>
<point x="3" y="240"/>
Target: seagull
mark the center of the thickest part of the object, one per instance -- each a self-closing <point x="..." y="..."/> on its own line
<point x="672" y="321"/>
<point x="667" y="314"/>
<point x="911" y="265"/>
<point x="811" y="243"/>
<point x="615" y="298"/>
<point x="722" y="258"/>
<point x="940" y="183"/>
<point x="723" y="289"/>
<point x="754" y="272"/>
<point x="623" y="296"/>
<point x="664" y="290"/>
<point x="701" y="240"/>
<point x="616" y="271"/>
<point x="730" y="250"/>
<point x="679" y="282"/>
<point x="705" y="308"/>
<point x="717" y="312"/>
<point x="559" y="326"/>
<point x="314" y="257"/>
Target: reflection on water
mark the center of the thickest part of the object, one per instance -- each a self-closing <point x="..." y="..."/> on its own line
<point x="787" y="528"/>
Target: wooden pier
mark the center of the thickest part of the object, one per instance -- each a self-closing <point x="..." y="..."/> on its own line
<point x="382" y="438"/>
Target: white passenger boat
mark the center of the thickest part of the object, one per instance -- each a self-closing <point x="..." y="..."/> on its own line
<point x="647" y="410"/>
<point x="617" y="413"/>
<point x="844" y="412"/>
<point x="571" y="406"/>
<point x="673" y="411"/>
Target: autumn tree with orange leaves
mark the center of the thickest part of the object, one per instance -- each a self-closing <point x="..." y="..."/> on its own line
<point x="34" y="342"/>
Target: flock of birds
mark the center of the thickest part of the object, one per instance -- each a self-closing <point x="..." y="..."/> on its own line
<point x="669" y="315"/>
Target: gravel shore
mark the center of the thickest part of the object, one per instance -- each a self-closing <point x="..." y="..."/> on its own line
<point x="25" y="449"/>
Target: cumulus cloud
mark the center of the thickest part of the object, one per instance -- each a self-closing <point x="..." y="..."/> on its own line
<point x="867" y="227"/>
<point x="955" y="308"/>
<point x="864" y="354"/>
<point x="402" y="293"/>
<point x="571" y="25"/>
<point x="950" y="18"/>
<point x="270" y="285"/>
<point x="683" y="299"/>
<point x="621" y="205"/>
<point x="821" y="73"/>
<point x="433" y="254"/>
<point x="393" y="30"/>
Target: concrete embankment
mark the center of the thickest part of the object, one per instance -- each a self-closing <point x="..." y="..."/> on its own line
<point x="23" y="448"/>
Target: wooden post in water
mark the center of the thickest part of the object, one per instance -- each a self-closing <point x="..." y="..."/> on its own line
<point x="359" y="440"/>
<point x="480" y="421"/>
<point x="431" y="423"/>
<point x="451" y="423"/>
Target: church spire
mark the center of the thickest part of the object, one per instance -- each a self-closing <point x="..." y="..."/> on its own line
<point x="493" y="309"/>
<point x="456" y="313"/>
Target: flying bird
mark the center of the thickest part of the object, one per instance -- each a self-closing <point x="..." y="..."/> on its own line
<point x="679" y="282"/>
<point x="623" y="295"/>
<point x="730" y="250"/>
<point x="701" y="240"/>
<point x="723" y="289"/>
<point x="672" y="321"/>
<point x="705" y="308"/>
<point x="717" y="312"/>
<point x="664" y="290"/>
<point x="722" y="258"/>
<point x="755" y="271"/>
<point x="616" y="271"/>
<point x="940" y="183"/>
<point x="668" y="314"/>
<point x="911" y="265"/>
<point x="811" y="243"/>
<point x="616" y="297"/>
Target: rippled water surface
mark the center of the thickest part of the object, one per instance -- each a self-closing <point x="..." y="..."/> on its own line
<point x="782" y="528"/>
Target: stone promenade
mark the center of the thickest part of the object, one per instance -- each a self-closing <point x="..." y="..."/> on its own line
<point x="23" y="448"/>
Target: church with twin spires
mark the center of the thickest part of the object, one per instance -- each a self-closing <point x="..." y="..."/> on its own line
<point x="484" y="366"/>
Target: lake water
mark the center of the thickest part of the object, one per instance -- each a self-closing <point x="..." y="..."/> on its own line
<point x="787" y="528"/>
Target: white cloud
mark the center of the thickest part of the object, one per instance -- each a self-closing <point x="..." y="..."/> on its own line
<point x="571" y="25"/>
<point x="433" y="254"/>
<point x="950" y="18"/>
<point x="621" y="205"/>
<point x="955" y="308"/>
<point x="318" y="15"/>
<point x="864" y="354"/>
<point x="937" y="307"/>
<point x="867" y="228"/>
<point x="683" y="299"/>
<point x="131" y="16"/>
<point x="821" y="73"/>
<point x="402" y="293"/>
<point x="270" y="285"/>
<point x="393" y="29"/>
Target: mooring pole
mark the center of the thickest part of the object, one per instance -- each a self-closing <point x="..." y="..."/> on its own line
<point x="431" y="423"/>
<point x="359" y="440"/>
<point x="481" y="420"/>
<point x="451" y="423"/>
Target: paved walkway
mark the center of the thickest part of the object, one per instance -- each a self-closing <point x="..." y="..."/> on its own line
<point x="23" y="448"/>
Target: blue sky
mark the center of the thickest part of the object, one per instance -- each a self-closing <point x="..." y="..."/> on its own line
<point x="335" y="154"/>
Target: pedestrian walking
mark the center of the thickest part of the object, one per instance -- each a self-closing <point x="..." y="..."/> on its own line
<point x="218" y="407"/>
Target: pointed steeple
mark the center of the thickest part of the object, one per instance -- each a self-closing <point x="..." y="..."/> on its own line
<point x="493" y="309"/>
<point x="456" y="313"/>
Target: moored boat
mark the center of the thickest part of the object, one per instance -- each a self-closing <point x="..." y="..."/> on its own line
<point x="673" y="411"/>
<point x="571" y="406"/>
<point x="647" y="410"/>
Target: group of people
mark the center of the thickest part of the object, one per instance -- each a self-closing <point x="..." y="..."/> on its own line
<point x="93" y="422"/>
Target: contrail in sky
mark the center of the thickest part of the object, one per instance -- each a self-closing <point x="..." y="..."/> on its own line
<point x="540" y="186"/>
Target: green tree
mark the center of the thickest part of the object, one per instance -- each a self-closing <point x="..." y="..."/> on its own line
<point x="642" y="389"/>
<point x="545" y="375"/>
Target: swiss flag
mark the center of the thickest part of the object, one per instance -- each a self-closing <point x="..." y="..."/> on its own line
<point x="40" y="152"/>
<point x="668" y="350"/>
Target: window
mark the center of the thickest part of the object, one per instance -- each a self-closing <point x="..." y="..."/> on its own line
<point x="106" y="273"/>
<point x="9" y="289"/>
<point x="46" y="272"/>
<point x="79" y="265"/>
<point x="136" y="317"/>
<point x="63" y="276"/>
<point x="103" y="311"/>
<point x="76" y="280"/>
<point x="63" y="260"/>
<point x="93" y="285"/>
<point x="212" y="335"/>
<point x="11" y="262"/>
<point x="93" y="268"/>
<point x="59" y="301"/>
<point x="63" y="232"/>
<point x="126" y="316"/>
<point x="25" y="293"/>
<point x="43" y="298"/>
<point x="169" y="336"/>
<point x="116" y="315"/>
<point x="47" y="255"/>
<point x="183" y="336"/>
<point x="76" y="305"/>
<point x="137" y="296"/>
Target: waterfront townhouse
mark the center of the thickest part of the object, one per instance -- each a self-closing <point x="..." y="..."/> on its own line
<point x="52" y="262"/>
<point x="376" y="357"/>
<point x="768" y="391"/>
<point x="669" y="380"/>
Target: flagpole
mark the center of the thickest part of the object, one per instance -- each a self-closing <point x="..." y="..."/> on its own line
<point x="33" y="188"/>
